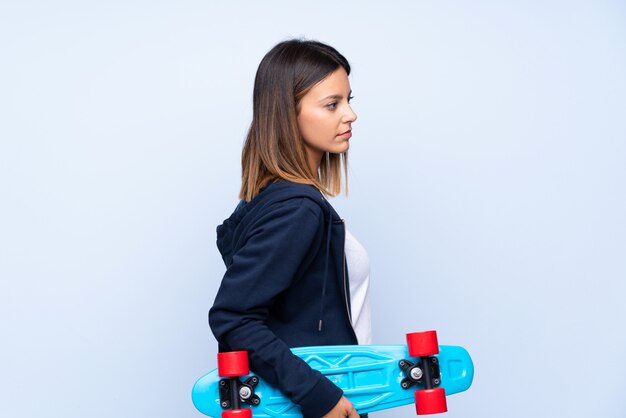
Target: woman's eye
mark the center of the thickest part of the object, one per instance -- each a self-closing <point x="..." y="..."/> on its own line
<point x="333" y="105"/>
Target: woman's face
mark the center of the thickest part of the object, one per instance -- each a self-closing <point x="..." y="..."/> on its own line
<point x="325" y="115"/>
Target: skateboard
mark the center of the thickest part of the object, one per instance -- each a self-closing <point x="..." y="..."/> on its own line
<point x="372" y="377"/>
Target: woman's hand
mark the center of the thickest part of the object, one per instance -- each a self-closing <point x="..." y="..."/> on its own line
<point x="343" y="409"/>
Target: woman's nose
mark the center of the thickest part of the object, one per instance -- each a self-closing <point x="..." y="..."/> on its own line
<point x="350" y="115"/>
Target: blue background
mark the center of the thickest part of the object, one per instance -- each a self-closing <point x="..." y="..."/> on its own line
<point x="487" y="182"/>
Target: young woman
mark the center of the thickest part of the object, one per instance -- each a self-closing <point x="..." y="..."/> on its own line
<point x="295" y="276"/>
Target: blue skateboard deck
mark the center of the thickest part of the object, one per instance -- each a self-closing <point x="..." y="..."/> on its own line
<point x="370" y="376"/>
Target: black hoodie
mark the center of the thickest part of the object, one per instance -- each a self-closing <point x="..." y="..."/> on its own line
<point x="286" y="285"/>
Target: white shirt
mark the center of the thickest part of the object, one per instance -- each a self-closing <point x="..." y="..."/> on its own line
<point x="359" y="275"/>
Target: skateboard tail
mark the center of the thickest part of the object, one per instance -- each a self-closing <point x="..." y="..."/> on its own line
<point x="457" y="369"/>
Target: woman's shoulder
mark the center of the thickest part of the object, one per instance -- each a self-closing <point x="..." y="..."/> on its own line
<point x="280" y="197"/>
<point x="289" y="193"/>
<point x="287" y="186"/>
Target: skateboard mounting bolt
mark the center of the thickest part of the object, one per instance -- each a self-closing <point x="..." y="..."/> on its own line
<point x="224" y="404"/>
<point x="416" y="373"/>
<point x="245" y="392"/>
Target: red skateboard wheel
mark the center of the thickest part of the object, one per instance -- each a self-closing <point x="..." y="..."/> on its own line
<point x="232" y="363"/>
<point x="422" y="344"/>
<point x="237" y="413"/>
<point x="430" y="401"/>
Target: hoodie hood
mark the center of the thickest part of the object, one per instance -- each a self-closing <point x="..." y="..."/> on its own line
<point x="232" y="229"/>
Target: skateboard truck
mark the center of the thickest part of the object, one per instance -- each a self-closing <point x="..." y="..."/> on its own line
<point x="431" y="399"/>
<point x="245" y="389"/>
<point x="424" y="372"/>
<point x="233" y="392"/>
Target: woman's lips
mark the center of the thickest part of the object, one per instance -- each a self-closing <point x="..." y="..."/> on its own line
<point x="346" y="134"/>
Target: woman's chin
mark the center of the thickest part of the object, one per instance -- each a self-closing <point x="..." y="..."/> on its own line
<point x="344" y="147"/>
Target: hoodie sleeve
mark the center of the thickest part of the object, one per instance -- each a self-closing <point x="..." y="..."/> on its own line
<point x="267" y="264"/>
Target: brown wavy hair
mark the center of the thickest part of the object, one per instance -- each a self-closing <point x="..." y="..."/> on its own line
<point x="274" y="148"/>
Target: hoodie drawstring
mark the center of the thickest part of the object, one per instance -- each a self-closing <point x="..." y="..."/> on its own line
<point x="330" y="224"/>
